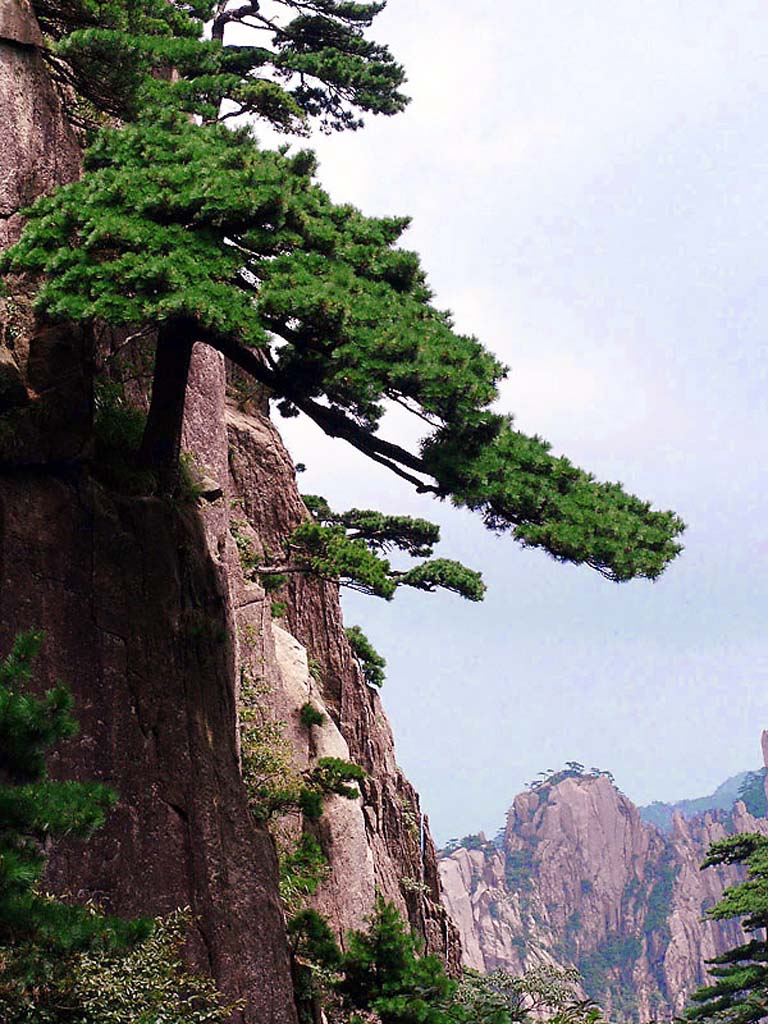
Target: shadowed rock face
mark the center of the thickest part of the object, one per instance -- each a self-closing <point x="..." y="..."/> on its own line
<point x="136" y="622"/>
<point x="581" y="879"/>
<point x="150" y="619"/>
<point x="37" y="148"/>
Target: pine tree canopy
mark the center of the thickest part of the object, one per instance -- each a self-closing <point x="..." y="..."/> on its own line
<point x="194" y="229"/>
<point x="294" y="59"/>
<point x="739" y="992"/>
<point x="183" y="225"/>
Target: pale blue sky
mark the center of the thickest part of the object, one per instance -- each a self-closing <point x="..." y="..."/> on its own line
<point x="589" y="189"/>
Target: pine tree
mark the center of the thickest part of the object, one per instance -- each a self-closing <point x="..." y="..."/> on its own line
<point x="302" y="60"/>
<point x="348" y="548"/>
<point x="38" y="934"/>
<point x="192" y="230"/>
<point x="381" y="971"/>
<point x="739" y="992"/>
<point x="371" y="662"/>
<point x="195" y="231"/>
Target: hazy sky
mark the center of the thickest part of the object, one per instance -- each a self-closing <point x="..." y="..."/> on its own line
<point x="589" y="189"/>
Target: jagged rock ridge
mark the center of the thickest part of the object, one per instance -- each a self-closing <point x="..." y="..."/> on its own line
<point x="580" y="879"/>
<point x="660" y="813"/>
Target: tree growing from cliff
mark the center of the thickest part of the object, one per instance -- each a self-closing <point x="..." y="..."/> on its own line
<point x="293" y="60"/>
<point x="381" y="977"/>
<point x="34" y="811"/>
<point x="739" y="991"/>
<point x="192" y="230"/>
<point x="372" y="664"/>
<point x="195" y="231"/>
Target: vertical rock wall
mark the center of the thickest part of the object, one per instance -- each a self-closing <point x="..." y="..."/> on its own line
<point x="138" y="609"/>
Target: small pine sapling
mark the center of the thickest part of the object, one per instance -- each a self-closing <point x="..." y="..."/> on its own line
<point x="38" y="933"/>
<point x="372" y="664"/>
<point x="309" y="715"/>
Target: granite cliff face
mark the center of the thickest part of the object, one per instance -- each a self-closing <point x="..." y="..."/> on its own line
<point x="580" y="879"/>
<point x="151" y="619"/>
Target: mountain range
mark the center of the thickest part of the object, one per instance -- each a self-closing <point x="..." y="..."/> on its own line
<point x="581" y="876"/>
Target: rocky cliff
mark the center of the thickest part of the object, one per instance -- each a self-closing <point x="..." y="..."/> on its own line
<point x="152" y="619"/>
<point x="579" y="878"/>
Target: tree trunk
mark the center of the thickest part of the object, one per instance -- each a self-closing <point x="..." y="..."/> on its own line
<point x="161" y="443"/>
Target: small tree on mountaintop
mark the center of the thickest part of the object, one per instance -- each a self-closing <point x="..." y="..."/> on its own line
<point x="739" y="992"/>
<point x="191" y="230"/>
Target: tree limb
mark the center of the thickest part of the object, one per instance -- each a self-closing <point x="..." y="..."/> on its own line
<point x="331" y="421"/>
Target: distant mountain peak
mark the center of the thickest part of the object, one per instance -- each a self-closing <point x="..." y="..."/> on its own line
<point x="748" y="786"/>
<point x="581" y="876"/>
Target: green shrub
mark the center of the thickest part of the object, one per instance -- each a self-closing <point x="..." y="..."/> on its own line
<point x="371" y="662"/>
<point x="302" y="869"/>
<point x="149" y="984"/>
<point x="118" y="429"/>
<point x="309" y="715"/>
<point x="274" y="785"/>
<point x="272" y="582"/>
<point x="35" y="812"/>
<point x="310" y="804"/>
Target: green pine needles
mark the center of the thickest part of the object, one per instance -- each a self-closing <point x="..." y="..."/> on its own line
<point x="35" y="811"/>
<point x="347" y="548"/>
<point x="60" y="962"/>
<point x="381" y="977"/>
<point x="294" y="62"/>
<point x="185" y="226"/>
<point x="372" y="664"/>
<point x="738" y="993"/>
<point x="196" y="231"/>
<point x="40" y="936"/>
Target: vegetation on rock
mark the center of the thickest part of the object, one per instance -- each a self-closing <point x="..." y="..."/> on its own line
<point x="572" y="770"/>
<point x="380" y="977"/>
<point x="34" y="812"/>
<point x="62" y="962"/>
<point x="274" y="785"/>
<point x="739" y="992"/>
<point x="372" y="664"/>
